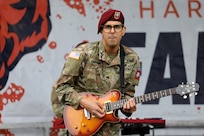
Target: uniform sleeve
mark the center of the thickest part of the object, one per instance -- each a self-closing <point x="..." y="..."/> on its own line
<point x="133" y="79"/>
<point x="57" y="106"/>
<point x="136" y="72"/>
<point x="65" y="90"/>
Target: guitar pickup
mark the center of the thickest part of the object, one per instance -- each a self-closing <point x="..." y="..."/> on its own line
<point x="87" y="114"/>
<point x="108" y="107"/>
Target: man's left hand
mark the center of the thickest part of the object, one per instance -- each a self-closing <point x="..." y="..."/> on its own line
<point x="129" y="106"/>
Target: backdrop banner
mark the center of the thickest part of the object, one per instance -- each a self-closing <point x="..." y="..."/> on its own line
<point x="36" y="37"/>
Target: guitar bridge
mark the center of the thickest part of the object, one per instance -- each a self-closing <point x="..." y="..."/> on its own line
<point x="108" y="107"/>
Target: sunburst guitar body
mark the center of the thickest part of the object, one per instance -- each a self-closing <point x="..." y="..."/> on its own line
<point x="81" y="123"/>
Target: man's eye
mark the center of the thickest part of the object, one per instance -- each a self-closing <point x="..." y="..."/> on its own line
<point x="108" y="27"/>
<point x="117" y="26"/>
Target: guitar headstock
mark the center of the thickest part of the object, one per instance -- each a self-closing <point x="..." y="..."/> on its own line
<point x="188" y="88"/>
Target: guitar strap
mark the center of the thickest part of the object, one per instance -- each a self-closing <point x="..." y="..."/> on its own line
<point x="122" y="55"/>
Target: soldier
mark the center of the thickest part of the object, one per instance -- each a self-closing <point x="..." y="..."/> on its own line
<point x="95" y="67"/>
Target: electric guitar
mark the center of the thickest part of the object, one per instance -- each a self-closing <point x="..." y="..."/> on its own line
<point x="81" y="123"/>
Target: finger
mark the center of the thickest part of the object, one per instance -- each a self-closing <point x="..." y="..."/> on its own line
<point x="132" y="103"/>
<point x="100" y="108"/>
<point x="99" y="115"/>
<point x="126" y="105"/>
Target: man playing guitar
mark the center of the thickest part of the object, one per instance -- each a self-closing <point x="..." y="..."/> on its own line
<point x="95" y="68"/>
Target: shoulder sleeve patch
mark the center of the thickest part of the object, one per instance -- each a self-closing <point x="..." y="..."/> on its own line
<point x="138" y="73"/>
<point x="74" y="55"/>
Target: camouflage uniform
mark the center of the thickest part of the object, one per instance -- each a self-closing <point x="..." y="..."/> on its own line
<point x="58" y="109"/>
<point x="57" y="106"/>
<point x="89" y="68"/>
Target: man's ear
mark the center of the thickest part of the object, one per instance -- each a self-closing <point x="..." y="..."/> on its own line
<point x="124" y="30"/>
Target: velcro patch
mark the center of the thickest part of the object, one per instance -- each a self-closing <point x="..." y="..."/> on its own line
<point x="74" y="55"/>
<point x="138" y="73"/>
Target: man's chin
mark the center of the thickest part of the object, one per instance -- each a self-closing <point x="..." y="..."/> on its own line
<point x="112" y="43"/>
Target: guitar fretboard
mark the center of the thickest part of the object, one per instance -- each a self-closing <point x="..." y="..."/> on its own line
<point x="143" y="98"/>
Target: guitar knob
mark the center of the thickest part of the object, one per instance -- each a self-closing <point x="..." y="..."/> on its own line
<point x="83" y="125"/>
<point x="87" y="130"/>
<point x="75" y="127"/>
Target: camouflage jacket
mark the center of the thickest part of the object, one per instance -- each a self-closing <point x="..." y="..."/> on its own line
<point x="90" y="69"/>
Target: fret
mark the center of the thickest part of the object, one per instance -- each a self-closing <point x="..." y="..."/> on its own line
<point x="141" y="99"/>
<point x="116" y="105"/>
<point x="168" y="92"/>
<point x="121" y="102"/>
<point x="152" y="94"/>
<point x="173" y="90"/>
<point x="137" y="99"/>
<point x="165" y="94"/>
<point x="113" y="105"/>
<point x="162" y="93"/>
<point x="147" y="97"/>
<point x="159" y="94"/>
<point x="155" y="95"/>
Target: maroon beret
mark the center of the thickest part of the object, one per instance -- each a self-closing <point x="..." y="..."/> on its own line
<point x="110" y="15"/>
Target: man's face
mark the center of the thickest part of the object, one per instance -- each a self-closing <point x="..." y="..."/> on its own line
<point x="112" y="33"/>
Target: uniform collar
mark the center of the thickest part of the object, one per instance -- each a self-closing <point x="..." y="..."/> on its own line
<point x="104" y="56"/>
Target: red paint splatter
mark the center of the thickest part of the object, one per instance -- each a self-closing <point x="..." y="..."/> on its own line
<point x="198" y="108"/>
<point x="6" y="132"/>
<point x="96" y="2"/>
<point x="53" y="45"/>
<point x="76" y="4"/>
<point x="65" y="56"/>
<point x="82" y="28"/>
<point x="59" y="16"/>
<point x="57" y="125"/>
<point x="99" y="6"/>
<point x="13" y="93"/>
<point x="40" y="59"/>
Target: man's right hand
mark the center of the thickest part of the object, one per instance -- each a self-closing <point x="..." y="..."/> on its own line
<point x="94" y="107"/>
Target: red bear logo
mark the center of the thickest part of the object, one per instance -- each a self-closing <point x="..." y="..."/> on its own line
<point x="24" y="28"/>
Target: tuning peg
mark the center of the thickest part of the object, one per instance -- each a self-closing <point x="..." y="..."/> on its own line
<point x="190" y="94"/>
<point x="196" y="93"/>
<point x="188" y="90"/>
<point x="185" y="97"/>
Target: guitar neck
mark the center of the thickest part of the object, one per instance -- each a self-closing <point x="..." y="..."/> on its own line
<point x="154" y="95"/>
<point x="143" y="98"/>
